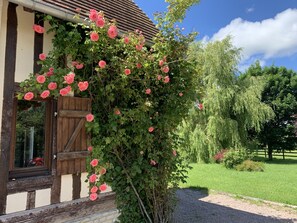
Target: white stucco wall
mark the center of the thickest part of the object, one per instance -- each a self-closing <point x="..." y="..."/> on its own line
<point x="3" y="19"/>
<point x="84" y="191"/>
<point x="47" y="39"/>
<point x="66" y="187"/>
<point x="25" y="45"/>
<point x="16" y="202"/>
<point x="42" y="197"/>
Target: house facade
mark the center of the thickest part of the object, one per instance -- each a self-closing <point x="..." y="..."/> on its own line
<point x="43" y="146"/>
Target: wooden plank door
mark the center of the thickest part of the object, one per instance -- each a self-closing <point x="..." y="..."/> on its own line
<point x="71" y="134"/>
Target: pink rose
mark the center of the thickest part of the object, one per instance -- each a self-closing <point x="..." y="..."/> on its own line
<point x="39" y="29"/>
<point x="126" y="40"/>
<point x="161" y="62"/>
<point x="138" y="65"/>
<point x="28" y="96"/>
<point x="153" y="162"/>
<point x="174" y="152"/>
<point x="83" y="85"/>
<point x="50" y="72"/>
<point x="148" y="91"/>
<point x="180" y="94"/>
<point x="151" y="129"/>
<point x="165" y="69"/>
<point x="93" y="15"/>
<point x="112" y="32"/>
<point x="52" y="86"/>
<point x="45" y="94"/>
<point x="94" y="189"/>
<point x="93" y="178"/>
<point x="90" y="148"/>
<point x="102" y="171"/>
<point x="93" y="196"/>
<point x="138" y="47"/>
<point x="117" y="111"/>
<point x="102" y="187"/>
<point x="89" y="117"/>
<point x="100" y="22"/>
<point x="42" y="56"/>
<point x="69" y="78"/>
<point x="200" y="106"/>
<point x="74" y="63"/>
<point x="64" y="91"/>
<point x="79" y="66"/>
<point x="166" y="79"/>
<point x="94" y="162"/>
<point x="159" y="77"/>
<point x="127" y="72"/>
<point x="40" y="79"/>
<point x="102" y="64"/>
<point x="94" y="36"/>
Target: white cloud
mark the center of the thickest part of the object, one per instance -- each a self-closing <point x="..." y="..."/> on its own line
<point x="270" y="38"/>
<point x="249" y="10"/>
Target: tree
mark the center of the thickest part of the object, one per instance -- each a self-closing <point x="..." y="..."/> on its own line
<point x="231" y="104"/>
<point x="280" y="93"/>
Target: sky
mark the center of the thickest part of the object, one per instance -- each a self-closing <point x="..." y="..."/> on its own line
<point x="265" y="30"/>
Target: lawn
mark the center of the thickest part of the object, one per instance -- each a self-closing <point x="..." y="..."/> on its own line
<point x="277" y="183"/>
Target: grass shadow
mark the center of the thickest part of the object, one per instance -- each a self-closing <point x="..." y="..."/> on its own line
<point x="277" y="161"/>
<point x="203" y="190"/>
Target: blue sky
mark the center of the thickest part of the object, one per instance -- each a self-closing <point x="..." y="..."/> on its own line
<point x="266" y="30"/>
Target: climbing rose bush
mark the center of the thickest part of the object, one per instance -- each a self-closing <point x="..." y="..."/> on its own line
<point x="140" y="92"/>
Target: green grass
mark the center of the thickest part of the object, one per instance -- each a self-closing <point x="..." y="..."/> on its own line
<point x="277" y="183"/>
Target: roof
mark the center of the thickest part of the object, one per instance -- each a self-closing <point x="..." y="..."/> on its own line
<point x="128" y="15"/>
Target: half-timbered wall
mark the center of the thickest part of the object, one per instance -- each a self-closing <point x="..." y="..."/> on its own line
<point x="23" y="194"/>
<point x="3" y="16"/>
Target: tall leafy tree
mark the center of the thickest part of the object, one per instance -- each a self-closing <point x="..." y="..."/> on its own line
<point x="228" y="106"/>
<point x="280" y="93"/>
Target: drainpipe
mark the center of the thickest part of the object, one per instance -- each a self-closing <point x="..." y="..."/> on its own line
<point x="1" y="11"/>
<point x="44" y="7"/>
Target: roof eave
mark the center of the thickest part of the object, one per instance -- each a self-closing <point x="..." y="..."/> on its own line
<point x="40" y="6"/>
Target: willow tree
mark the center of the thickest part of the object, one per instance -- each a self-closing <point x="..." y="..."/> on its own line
<point x="231" y="104"/>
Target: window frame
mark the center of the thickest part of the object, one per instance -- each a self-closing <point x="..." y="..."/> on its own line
<point x="37" y="170"/>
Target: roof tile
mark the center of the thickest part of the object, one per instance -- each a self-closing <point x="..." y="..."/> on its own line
<point x="128" y="15"/>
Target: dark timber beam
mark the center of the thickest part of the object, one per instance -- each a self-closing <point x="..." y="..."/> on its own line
<point x="8" y="97"/>
<point x="38" y="44"/>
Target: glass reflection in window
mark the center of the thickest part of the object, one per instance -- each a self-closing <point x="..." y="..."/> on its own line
<point x="30" y="134"/>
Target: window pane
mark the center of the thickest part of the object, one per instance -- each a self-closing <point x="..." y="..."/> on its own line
<point x="30" y="134"/>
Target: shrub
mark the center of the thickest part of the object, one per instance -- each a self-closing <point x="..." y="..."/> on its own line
<point x="234" y="157"/>
<point x="139" y="96"/>
<point x="219" y="157"/>
<point x="250" y="165"/>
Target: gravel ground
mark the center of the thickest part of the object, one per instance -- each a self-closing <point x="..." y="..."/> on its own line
<point x="197" y="207"/>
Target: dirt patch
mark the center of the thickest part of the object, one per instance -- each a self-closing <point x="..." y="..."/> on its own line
<point x="195" y="206"/>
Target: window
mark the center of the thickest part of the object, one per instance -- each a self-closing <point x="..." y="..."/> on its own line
<point x="32" y="138"/>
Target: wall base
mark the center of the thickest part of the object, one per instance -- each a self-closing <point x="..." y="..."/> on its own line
<point x="103" y="210"/>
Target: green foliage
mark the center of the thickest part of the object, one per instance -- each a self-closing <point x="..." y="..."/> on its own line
<point x="135" y="113"/>
<point x="234" y="157"/>
<point x="231" y="105"/>
<point x="177" y="9"/>
<point x="251" y="166"/>
<point x="279" y="93"/>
